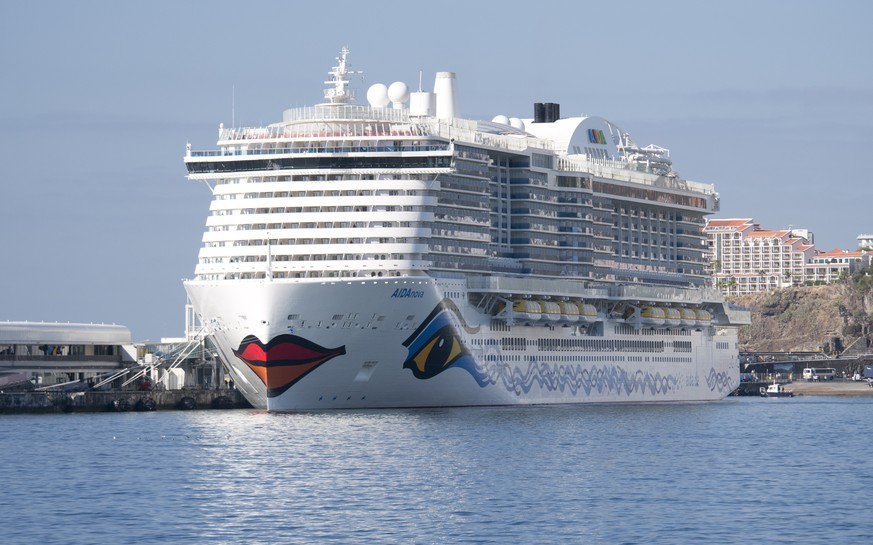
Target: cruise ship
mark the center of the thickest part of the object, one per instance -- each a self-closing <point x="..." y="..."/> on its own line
<point x="396" y="254"/>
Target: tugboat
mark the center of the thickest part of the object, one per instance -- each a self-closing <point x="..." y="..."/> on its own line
<point x="775" y="390"/>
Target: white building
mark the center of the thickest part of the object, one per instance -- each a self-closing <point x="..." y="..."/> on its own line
<point x="865" y="242"/>
<point x="746" y="259"/>
<point x="826" y="267"/>
<point x="54" y="353"/>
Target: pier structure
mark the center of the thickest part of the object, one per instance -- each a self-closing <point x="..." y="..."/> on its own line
<point x="52" y="353"/>
<point x="759" y="369"/>
<point x="46" y="367"/>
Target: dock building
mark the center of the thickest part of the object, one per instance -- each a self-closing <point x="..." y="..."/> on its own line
<point x="55" y="353"/>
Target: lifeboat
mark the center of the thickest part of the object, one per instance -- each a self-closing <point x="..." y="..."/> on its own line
<point x="688" y="317"/>
<point x="587" y="312"/>
<point x="704" y="318"/>
<point x="527" y="310"/>
<point x="551" y="311"/>
<point x="672" y="316"/>
<point x="652" y="316"/>
<point x="569" y="312"/>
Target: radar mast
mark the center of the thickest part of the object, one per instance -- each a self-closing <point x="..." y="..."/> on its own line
<point x="340" y="93"/>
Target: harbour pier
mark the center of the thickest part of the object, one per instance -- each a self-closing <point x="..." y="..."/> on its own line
<point x="54" y="401"/>
<point x="63" y="367"/>
<point x="758" y="369"/>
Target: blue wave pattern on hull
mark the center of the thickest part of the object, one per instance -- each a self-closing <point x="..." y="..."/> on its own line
<point x="573" y="379"/>
<point x="719" y="381"/>
<point x="435" y="346"/>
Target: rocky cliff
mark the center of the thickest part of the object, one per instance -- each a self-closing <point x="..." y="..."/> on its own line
<point x="836" y="317"/>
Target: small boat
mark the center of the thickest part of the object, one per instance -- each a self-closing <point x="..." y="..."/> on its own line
<point x="569" y="312"/>
<point x="672" y="316"/>
<point x="689" y="317"/>
<point x="775" y="390"/>
<point x="551" y="311"/>
<point x="704" y="318"/>
<point x="652" y="316"/>
<point x="527" y="310"/>
<point x="587" y="312"/>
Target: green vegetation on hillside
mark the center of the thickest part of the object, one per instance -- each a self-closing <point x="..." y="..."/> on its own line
<point x="832" y="318"/>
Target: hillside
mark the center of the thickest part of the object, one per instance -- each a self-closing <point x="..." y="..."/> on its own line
<point x="810" y="318"/>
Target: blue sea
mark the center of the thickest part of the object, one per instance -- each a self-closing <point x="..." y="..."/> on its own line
<point x="744" y="470"/>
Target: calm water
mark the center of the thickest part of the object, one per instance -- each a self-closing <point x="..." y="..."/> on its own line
<point x="740" y="471"/>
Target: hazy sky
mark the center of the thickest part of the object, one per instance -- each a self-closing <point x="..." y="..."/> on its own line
<point x="771" y="101"/>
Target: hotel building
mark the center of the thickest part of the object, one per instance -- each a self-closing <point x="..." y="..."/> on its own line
<point x="744" y="258"/>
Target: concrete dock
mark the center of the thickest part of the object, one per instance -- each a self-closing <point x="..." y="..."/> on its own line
<point x="830" y="388"/>
<point x="119" y="400"/>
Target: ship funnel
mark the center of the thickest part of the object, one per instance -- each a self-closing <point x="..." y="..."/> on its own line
<point x="539" y="112"/>
<point x="546" y="112"/>
<point x="444" y="88"/>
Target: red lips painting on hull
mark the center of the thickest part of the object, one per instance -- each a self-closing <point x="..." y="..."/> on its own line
<point x="284" y="360"/>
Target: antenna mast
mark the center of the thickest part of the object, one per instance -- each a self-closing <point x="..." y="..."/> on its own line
<point x="338" y="78"/>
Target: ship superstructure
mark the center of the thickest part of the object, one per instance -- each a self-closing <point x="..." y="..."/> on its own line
<point x="396" y="254"/>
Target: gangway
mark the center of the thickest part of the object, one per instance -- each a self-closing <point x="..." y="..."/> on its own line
<point x="180" y="353"/>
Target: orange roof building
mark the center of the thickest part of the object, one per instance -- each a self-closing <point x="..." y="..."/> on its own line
<point x="745" y="258"/>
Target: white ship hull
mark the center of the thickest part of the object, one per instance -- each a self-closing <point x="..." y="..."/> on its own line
<point x="416" y="342"/>
<point x="367" y="256"/>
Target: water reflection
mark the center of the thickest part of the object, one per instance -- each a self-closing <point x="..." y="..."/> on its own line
<point x="685" y="473"/>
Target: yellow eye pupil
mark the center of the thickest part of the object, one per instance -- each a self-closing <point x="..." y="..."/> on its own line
<point x="420" y="359"/>
<point x="456" y="350"/>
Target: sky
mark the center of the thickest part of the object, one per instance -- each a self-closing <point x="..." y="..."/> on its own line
<point x="770" y="101"/>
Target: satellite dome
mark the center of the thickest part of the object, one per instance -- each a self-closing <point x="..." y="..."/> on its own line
<point x="502" y="119"/>
<point x="377" y="95"/>
<point x="516" y="123"/>
<point x="398" y="92"/>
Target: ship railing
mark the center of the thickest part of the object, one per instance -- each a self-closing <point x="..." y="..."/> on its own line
<point x="356" y="120"/>
<point x="534" y="287"/>
<point x="323" y="149"/>
<point x="666" y="294"/>
<point x="462" y="129"/>
<point x="466" y="130"/>
<point x="322" y="129"/>
<point x="348" y="112"/>
<point x="622" y="170"/>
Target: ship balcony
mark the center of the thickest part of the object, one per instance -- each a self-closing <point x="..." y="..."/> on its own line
<point x="362" y="268"/>
<point x="236" y="148"/>
<point x="696" y="224"/>
<point x="334" y="202"/>
<point x="581" y="244"/>
<point x="336" y="235"/>
<point x="297" y="252"/>
<point x="246" y="220"/>
<point x="575" y="229"/>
